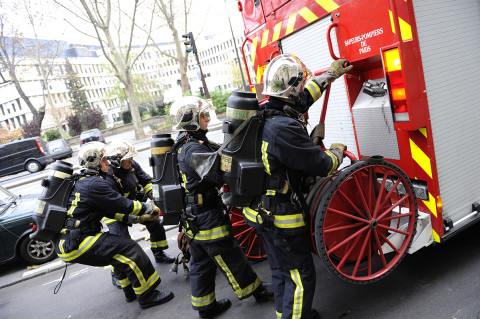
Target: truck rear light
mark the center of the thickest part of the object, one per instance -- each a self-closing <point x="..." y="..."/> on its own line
<point x="439" y="203"/>
<point x="396" y="84"/>
<point x="40" y="147"/>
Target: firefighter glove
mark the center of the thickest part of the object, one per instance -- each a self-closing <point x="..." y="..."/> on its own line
<point x="150" y="208"/>
<point x="340" y="67"/>
<point x="340" y="146"/>
<point x="317" y="134"/>
<point x="336" y="150"/>
<point x="147" y="218"/>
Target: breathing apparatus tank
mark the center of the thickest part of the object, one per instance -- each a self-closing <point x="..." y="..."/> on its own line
<point x="241" y="160"/>
<point x="166" y="188"/>
<point x="51" y="209"/>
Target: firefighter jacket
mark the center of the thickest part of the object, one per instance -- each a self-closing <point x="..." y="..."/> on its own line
<point x="91" y="200"/>
<point x="127" y="182"/>
<point x="202" y="198"/>
<point x="286" y="146"/>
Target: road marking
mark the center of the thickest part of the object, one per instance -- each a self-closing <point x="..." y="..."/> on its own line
<point x="52" y="282"/>
<point x="76" y="273"/>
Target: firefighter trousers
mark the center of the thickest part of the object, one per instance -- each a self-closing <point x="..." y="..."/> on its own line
<point x="225" y="254"/>
<point x="124" y="254"/>
<point x="158" y="238"/>
<point x="293" y="273"/>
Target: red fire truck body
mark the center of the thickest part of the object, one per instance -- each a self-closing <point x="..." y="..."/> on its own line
<point x="412" y="96"/>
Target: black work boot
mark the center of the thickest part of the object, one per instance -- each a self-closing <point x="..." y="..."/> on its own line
<point x="129" y="293"/>
<point x="154" y="298"/>
<point x="116" y="282"/>
<point x="161" y="257"/>
<point x="264" y="292"/>
<point x="218" y="307"/>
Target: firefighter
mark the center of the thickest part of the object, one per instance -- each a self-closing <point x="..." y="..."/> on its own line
<point x="82" y="241"/>
<point x="205" y="223"/>
<point x="128" y="178"/>
<point x="288" y="156"/>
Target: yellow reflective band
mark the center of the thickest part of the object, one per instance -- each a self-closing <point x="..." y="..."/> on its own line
<point x="314" y="90"/>
<point x="308" y="15"/>
<point x="421" y="158"/>
<point x="159" y="244"/>
<point x="431" y="204"/>
<point x="328" y="5"/>
<point x="214" y="233"/>
<point x="289" y="221"/>
<point x="298" y="294"/>
<point x="74" y="204"/>
<point x="291" y="23"/>
<point x="147" y="187"/>
<point x="184" y="180"/>
<point x="252" y="215"/>
<point x="144" y="284"/>
<point x="160" y="150"/>
<point x="435" y="236"/>
<point x="60" y="246"/>
<point x="264" y="38"/>
<point x="203" y="301"/>
<point x="334" y="161"/>
<point x="405" y="28"/>
<point x="265" y="157"/>
<point x="241" y="293"/>
<point x="124" y="282"/>
<point x="276" y="31"/>
<point x="108" y="220"/>
<point x="59" y="174"/>
<point x="279" y="315"/>
<point x="423" y="130"/>
<point x="84" y="246"/>
<point x="253" y="49"/>
<point x="119" y="217"/>
<point x="271" y="192"/>
<point x="137" y="207"/>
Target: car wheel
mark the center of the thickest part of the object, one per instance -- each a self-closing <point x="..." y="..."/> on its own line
<point x="33" y="166"/>
<point x="37" y="252"/>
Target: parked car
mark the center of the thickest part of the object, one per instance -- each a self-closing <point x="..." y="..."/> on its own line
<point x="15" y="227"/>
<point x="59" y="149"/>
<point x="91" y="135"/>
<point x="29" y="154"/>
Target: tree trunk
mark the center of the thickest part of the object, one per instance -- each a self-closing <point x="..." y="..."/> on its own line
<point x="136" y="118"/>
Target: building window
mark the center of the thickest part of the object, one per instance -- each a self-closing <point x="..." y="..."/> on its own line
<point x="19" y="104"/>
<point x="13" y="107"/>
<point x="1" y="108"/>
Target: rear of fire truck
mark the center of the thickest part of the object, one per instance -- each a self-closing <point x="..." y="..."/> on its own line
<point x="411" y="98"/>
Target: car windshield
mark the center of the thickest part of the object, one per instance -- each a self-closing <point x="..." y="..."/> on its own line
<point x="55" y="144"/>
<point x="5" y="197"/>
<point x="88" y="134"/>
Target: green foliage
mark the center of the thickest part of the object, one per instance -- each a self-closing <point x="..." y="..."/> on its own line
<point x="51" y="135"/>
<point x="31" y="129"/>
<point x="219" y="99"/>
<point x="126" y="117"/>
<point x="78" y="97"/>
<point x="92" y="118"/>
<point x="74" y="124"/>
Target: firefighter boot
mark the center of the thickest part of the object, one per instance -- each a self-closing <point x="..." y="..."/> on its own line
<point x="116" y="282"/>
<point x="264" y="292"/>
<point x="154" y="298"/>
<point x="218" y="307"/>
<point x="161" y="257"/>
<point x="129" y="293"/>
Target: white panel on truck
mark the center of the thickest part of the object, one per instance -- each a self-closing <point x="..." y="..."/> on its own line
<point x="310" y="46"/>
<point x="449" y="36"/>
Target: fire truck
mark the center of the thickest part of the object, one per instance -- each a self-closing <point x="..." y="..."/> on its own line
<point x="408" y="111"/>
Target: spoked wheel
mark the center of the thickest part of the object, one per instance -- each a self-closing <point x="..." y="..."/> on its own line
<point x="364" y="220"/>
<point x="246" y="236"/>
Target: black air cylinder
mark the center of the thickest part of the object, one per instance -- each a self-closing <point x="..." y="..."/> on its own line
<point x="166" y="189"/>
<point x="241" y="160"/>
<point x="51" y="209"/>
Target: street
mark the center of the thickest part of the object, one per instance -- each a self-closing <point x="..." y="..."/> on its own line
<point x="440" y="281"/>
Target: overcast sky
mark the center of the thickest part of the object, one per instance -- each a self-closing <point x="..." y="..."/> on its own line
<point x="208" y="17"/>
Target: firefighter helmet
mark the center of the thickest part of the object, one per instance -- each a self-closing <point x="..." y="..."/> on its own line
<point x="185" y="113"/>
<point x="120" y="151"/>
<point x="90" y="155"/>
<point x="285" y="77"/>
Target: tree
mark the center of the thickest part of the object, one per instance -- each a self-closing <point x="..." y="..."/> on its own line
<point x="109" y="34"/>
<point x="92" y="118"/>
<point x="74" y="124"/>
<point x="168" y="13"/>
<point x="12" y="51"/>
<point x="77" y="96"/>
<point x="31" y="129"/>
